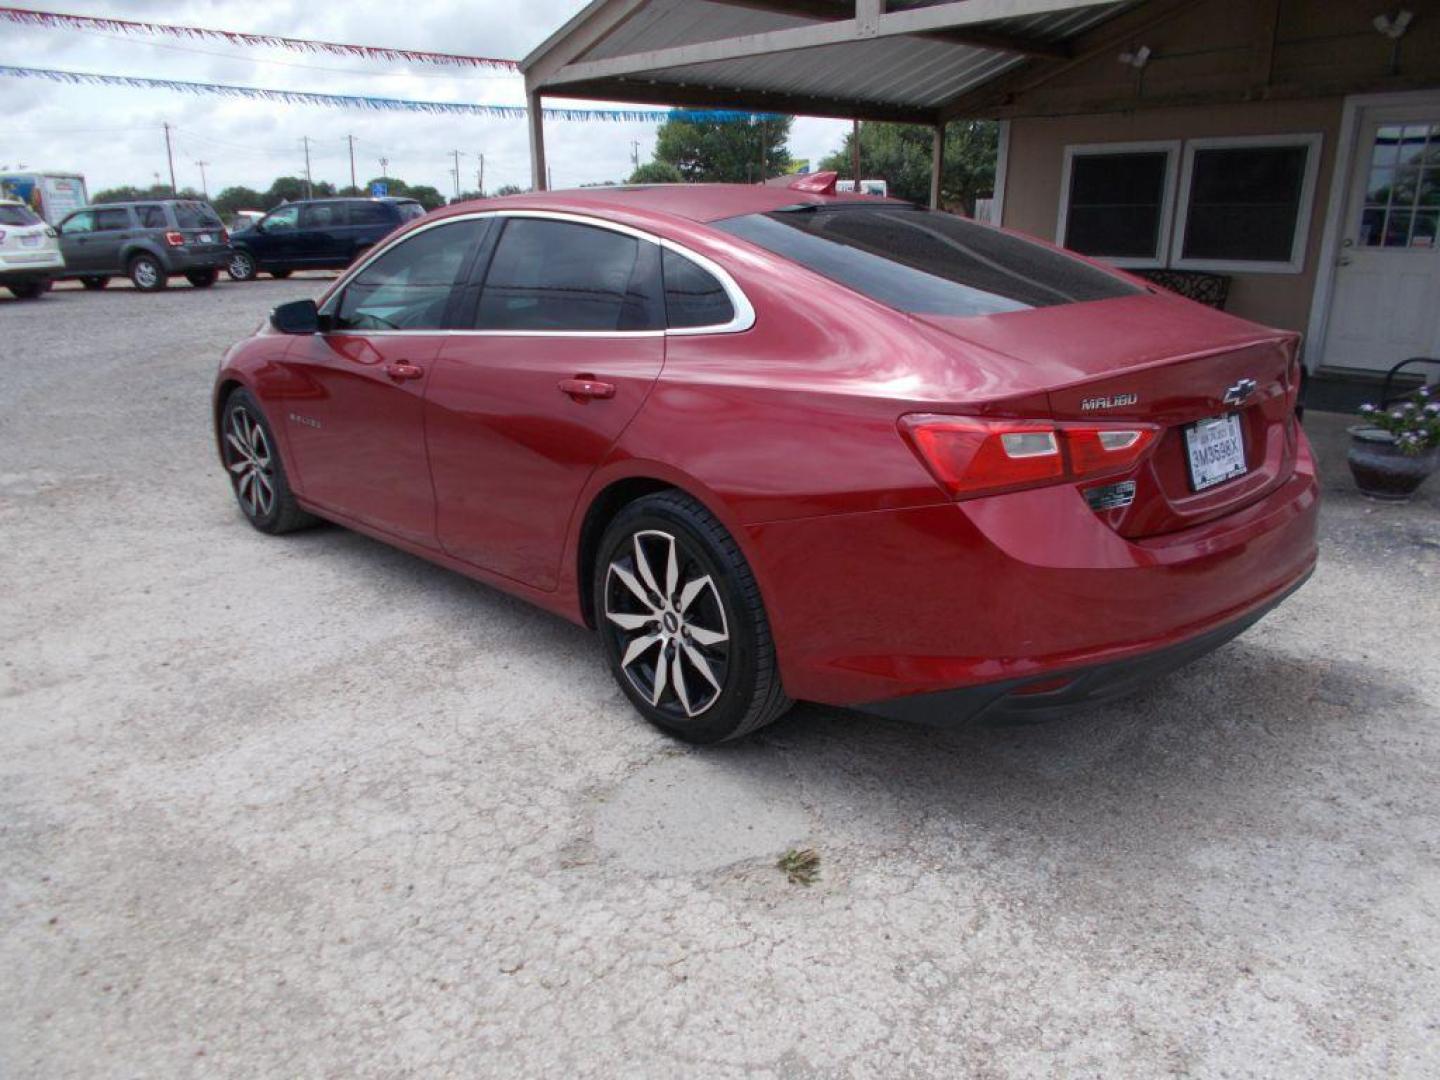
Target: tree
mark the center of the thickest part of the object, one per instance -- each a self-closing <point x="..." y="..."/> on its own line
<point x="714" y="152"/>
<point x="237" y="198"/>
<point x="656" y="172"/>
<point x="292" y="188"/>
<point x="128" y="193"/>
<point x="509" y="189"/>
<point x="900" y="154"/>
<point x="424" y="194"/>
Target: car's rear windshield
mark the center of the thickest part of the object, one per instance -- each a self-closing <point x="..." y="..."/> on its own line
<point x="926" y="262"/>
<point x="195" y="215"/>
<point x="11" y="214"/>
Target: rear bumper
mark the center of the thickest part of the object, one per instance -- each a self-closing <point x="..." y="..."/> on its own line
<point x="31" y="266"/>
<point x="1052" y="694"/>
<point x="1016" y="590"/>
<point x="182" y="261"/>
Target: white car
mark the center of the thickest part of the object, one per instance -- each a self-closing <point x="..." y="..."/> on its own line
<point x="29" y="251"/>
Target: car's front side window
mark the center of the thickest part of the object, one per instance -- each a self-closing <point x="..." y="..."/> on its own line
<point x="83" y="222"/>
<point x="282" y="220"/>
<point x="564" y="276"/>
<point x="409" y="286"/>
<point x="322" y="216"/>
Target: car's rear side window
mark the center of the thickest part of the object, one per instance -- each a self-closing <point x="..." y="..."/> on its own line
<point x="196" y="215"/>
<point x="409" y="211"/>
<point x="926" y="262"/>
<point x="692" y="295"/>
<point x="369" y="213"/>
<point x="554" y="275"/>
<point x="112" y="219"/>
<point x="151" y="217"/>
<point x="13" y="214"/>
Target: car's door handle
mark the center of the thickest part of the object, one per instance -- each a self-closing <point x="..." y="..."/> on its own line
<point x="582" y="387"/>
<point x="403" y="369"/>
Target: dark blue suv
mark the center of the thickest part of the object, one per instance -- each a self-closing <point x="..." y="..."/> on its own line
<point x="316" y="234"/>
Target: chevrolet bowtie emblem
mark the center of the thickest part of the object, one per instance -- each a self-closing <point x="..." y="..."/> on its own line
<point x="1236" y="394"/>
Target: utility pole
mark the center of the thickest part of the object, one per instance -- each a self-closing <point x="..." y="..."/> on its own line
<point x="549" y="178"/>
<point x="170" y="157"/>
<point x="480" y="176"/>
<point x="204" y="187"/>
<point x="635" y="153"/>
<point x="762" y="151"/>
<point x="456" y="171"/>
<point x="384" y="169"/>
<point x="309" y="186"/>
<point x="351" y="140"/>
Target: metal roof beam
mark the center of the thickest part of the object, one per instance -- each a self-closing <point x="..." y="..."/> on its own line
<point x="651" y="92"/>
<point x="952" y="15"/>
<point x="825" y="10"/>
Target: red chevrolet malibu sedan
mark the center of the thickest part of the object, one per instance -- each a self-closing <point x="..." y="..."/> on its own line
<point x="775" y="443"/>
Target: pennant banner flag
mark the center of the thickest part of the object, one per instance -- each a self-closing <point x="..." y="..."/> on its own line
<point x="60" y="20"/>
<point x="350" y="101"/>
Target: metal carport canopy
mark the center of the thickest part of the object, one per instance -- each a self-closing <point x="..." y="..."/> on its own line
<point x="903" y="61"/>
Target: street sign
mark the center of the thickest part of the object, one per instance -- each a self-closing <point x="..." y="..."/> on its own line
<point x="379" y="190"/>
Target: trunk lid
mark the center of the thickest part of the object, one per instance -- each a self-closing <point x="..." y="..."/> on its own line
<point x="1158" y="360"/>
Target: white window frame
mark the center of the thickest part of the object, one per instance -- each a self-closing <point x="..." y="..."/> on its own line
<point x="1313" y="142"/>
<point x="1163" y="233"/>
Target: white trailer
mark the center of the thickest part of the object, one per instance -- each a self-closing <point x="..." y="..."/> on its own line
<point x="52" y="195"/>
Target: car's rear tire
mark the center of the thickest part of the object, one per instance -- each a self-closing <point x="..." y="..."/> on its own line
<point x="27" y="290"/>
<point x="241" y="266"/>
<point x="146" y="273"/>
<point x="257" y="475"/>
<point x="281" y="275"/>
<point x="683" y="623"/>
<point x="94" y="284"/>
<point x="202" y="279"/>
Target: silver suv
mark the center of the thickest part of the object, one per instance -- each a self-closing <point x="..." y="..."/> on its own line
<point x="147" y="242"/>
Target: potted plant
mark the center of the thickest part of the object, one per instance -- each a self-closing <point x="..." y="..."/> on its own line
<point x="1397" y="447"/>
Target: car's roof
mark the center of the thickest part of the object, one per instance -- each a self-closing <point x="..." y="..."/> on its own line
<point x="352" y="198"/>
<point x="697" y="202"/>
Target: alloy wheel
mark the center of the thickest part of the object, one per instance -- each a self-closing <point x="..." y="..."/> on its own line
<point x="252" y="468"/>
<point x="662" y="606"/>
<point x="146" y="274"/>
<point x="240" y="267"/>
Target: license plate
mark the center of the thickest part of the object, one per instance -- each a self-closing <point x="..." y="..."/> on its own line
<point x="207" y="238"/>
<point x="1216" y="449"/>
<point x="30" y="241"/>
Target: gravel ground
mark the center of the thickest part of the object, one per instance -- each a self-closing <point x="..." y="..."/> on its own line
<point x="311" y="807"/>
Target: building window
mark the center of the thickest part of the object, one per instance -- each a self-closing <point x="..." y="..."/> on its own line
<point x="1402" y="197"/>
<point x="1245" y="203"/>
<point x="1117" y="200"/>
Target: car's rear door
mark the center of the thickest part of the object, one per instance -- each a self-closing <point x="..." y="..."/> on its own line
<point x="354" y="411"/>
<point x="566" y="340"/>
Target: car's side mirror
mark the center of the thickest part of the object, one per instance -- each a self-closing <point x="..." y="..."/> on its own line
<point x="296" y="317"/>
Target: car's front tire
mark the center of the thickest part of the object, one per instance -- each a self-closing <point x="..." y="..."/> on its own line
<point x="94" y="284"/>
<point x="257" y="475"/>
<point x="683" y="623"/>
<point x="146" y="273"/>
<point x="241" y="266"/>
<point x="202" y="279"/>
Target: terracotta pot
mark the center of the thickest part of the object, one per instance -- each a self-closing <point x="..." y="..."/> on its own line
<point x="1381" y="470"/>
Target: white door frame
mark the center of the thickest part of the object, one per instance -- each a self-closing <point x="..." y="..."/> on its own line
<point x="1336" y="207"/>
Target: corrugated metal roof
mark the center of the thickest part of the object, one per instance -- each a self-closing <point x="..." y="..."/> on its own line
<point x="912" y="70"/>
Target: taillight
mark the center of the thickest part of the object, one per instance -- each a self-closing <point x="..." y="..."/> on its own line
<point x="970" y="456"/>
<point x="174" y="239"/>
<point x="224" y="236"/>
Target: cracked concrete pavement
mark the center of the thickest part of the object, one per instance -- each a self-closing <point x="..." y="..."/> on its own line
<point x="311" y="807"/>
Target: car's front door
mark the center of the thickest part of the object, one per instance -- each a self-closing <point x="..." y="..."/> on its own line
<point x="321" y="239"/>
<point x="567" y="340"/>
<point x="354" y="415"/>
<point x="77" y="233"/>
<point x="274" y="241"/>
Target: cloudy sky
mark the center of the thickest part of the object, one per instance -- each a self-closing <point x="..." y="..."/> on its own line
<point x="113" y="136"/>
